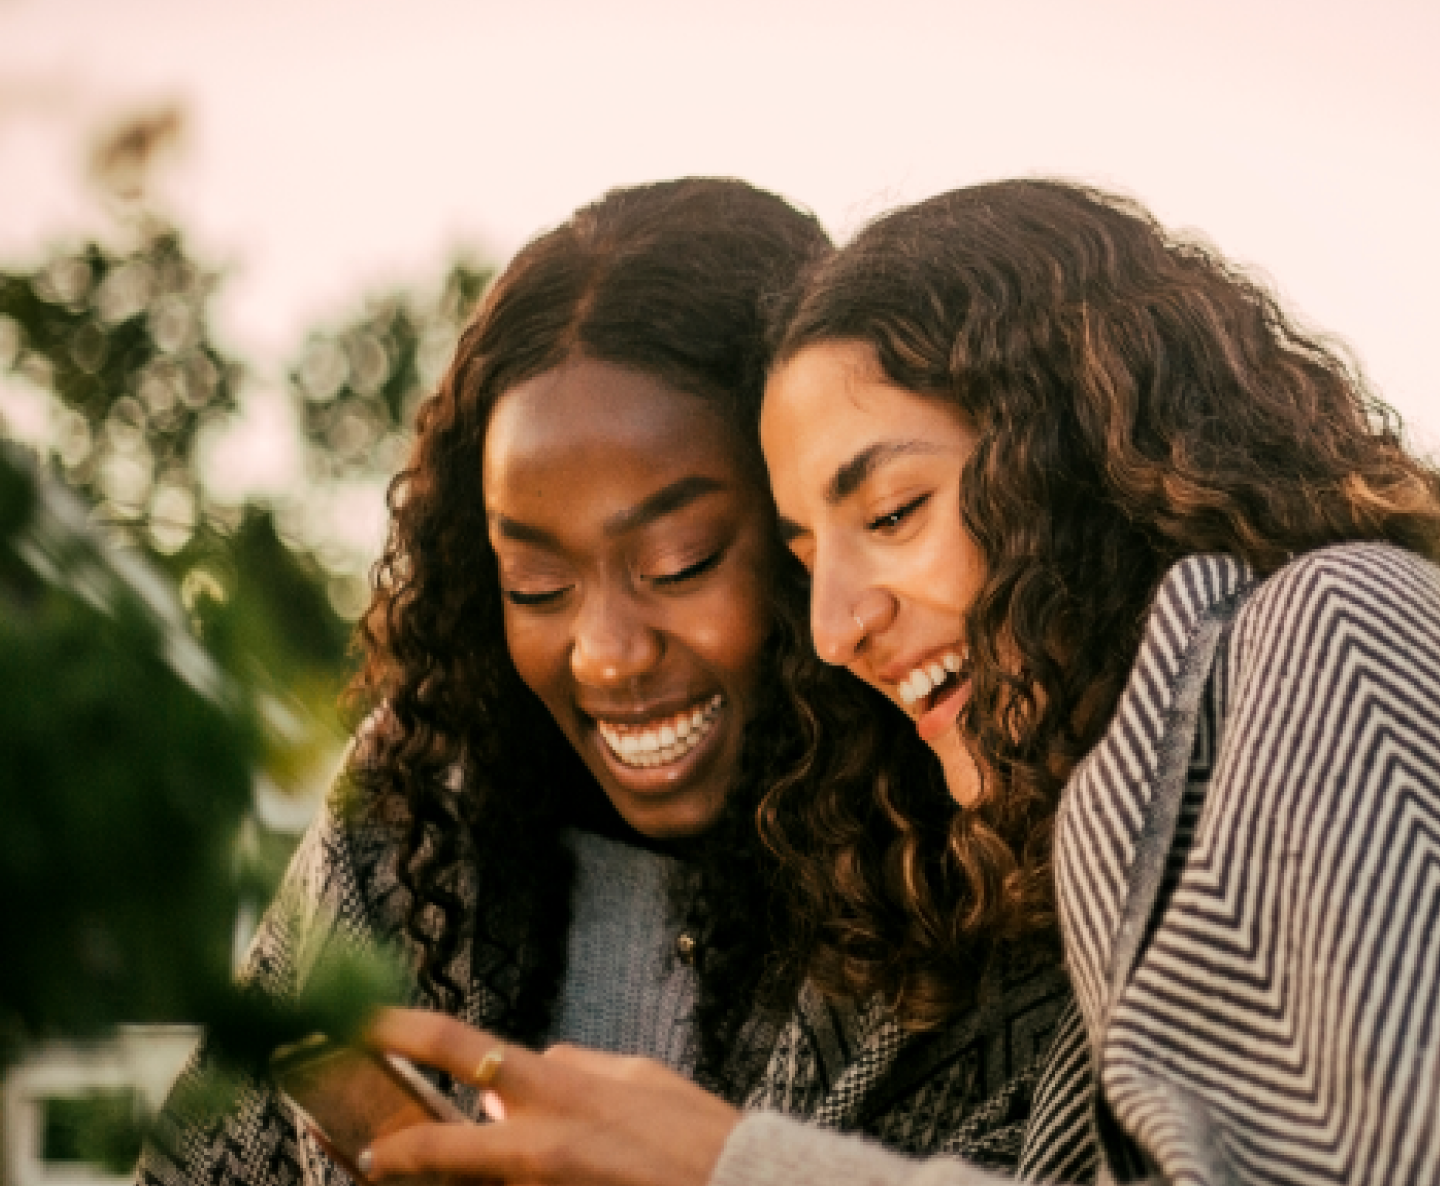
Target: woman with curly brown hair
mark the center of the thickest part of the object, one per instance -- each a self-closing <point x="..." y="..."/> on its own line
<point x="579" y="644"/>
<point x="1151" y="572"/>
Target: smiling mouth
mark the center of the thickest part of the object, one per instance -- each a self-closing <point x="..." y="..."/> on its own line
<point x="931" y="682"/>
<point x="663" y="740"/>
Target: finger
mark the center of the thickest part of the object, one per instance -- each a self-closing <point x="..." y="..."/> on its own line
<point x="516" y="1151"/>
<point x="458" y="1049"/>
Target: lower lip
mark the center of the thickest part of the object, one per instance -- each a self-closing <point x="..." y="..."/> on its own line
<point x="939" y="717"/>
<point x="651" y="779"/>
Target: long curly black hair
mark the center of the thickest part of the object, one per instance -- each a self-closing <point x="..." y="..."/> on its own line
<point x="1137" y="399"/>
<point x="669" y="279"/>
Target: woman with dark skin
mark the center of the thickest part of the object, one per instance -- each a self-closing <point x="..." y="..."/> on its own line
<point x="580" y="656"/>
<point x="1151" y="572"/>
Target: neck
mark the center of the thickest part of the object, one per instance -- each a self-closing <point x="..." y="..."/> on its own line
<point x="962" y="776"/>
<point x="592" y="811"/>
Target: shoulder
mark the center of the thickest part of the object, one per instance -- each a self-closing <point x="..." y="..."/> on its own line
<point x="345" y="868"/>
<point x="1378" y="574"/>
<point x="1367" y="604"/>
<point x="1331" y="686"/>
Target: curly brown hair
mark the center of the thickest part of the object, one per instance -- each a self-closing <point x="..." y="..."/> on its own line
<point x="1137" y="399"/>
<point x="668" y="279"/>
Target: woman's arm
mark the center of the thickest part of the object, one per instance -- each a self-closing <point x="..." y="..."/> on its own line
<point x="583" y="1118"/>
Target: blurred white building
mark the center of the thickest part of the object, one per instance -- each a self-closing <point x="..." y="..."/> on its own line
<point x="135" y="1069"/>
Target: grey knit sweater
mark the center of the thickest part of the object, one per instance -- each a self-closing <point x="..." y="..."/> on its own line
<point x="1248" y="868"/>
<point x="625" y="988"/>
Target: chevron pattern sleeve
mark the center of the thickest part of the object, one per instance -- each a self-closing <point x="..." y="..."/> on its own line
<point x="1282" y="1023"/>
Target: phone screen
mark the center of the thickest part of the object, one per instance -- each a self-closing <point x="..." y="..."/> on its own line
<point x="351" y="1096"/>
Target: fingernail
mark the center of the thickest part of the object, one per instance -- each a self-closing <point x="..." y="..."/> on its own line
<point x="366" y="1161"/>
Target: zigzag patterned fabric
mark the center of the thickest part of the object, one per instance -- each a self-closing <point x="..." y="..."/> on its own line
<point x="966" y="1090"/>
<point x="1270" y="1011"/>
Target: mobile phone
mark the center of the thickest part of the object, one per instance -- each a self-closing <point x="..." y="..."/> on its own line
<point x="349" y="1096"/>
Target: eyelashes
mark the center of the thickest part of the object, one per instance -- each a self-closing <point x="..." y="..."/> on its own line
<point x="669" y="580"/>
<point x="689" y="573"/>
<point x="893" y="519"/>
<point x="532" y="599"/>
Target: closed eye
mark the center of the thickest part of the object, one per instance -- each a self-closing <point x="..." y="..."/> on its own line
<point x="892" y="519"/>
<point x="548" y="597"/>
<point x="699" y="568"/>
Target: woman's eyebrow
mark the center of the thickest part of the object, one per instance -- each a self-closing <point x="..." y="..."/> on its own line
<point x="665" y="501"/>
<point x="522" y="533"/>
<point x="855" y="472"/>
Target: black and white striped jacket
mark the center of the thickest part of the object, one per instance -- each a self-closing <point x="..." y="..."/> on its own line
<point x="1248" y="870"/>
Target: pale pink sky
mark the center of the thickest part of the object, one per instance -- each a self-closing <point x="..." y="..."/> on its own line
<point x="340" y="144"/>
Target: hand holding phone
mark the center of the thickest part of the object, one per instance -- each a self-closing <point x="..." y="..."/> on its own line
<point x="350" y="1096"/>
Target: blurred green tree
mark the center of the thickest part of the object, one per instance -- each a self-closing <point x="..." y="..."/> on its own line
<point x="126" y="753"/>
<point x="358" y="385"/>
<point x="131" y="761"/>
<point x="128" y="766"/>
<point x="121" y="340"/>
<point x="120" y="336"/>
<point x="150" y="713"/>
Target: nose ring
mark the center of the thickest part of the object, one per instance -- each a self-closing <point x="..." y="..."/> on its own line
<point x="872" y="611"/>
<point x="863" y="630"/>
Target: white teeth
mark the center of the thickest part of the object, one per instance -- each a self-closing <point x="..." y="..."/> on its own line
<point x="929" y="676"/>
<point x="657" y="746"/>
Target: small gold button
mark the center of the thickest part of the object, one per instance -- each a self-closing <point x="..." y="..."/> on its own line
<point x="685" y="949"/>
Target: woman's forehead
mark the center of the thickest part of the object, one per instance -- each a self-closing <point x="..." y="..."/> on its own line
<point x="597" y="431"/>
<point x="830" y="407"/>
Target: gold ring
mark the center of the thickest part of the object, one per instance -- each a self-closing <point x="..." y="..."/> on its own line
<point x="489" y="1069"/>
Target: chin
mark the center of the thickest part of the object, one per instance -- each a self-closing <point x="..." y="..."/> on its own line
<point x="692" y="815"/>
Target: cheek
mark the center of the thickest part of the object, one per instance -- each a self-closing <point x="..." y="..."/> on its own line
<point x="729" y="629"/>
<point x="952" y="571"/>
<point x="538" y="657"/>
<point x="970" y="576"/>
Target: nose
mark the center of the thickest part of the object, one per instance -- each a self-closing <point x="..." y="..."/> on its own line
<point x="613" y="642"/>
<point x="846" y="610"/>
